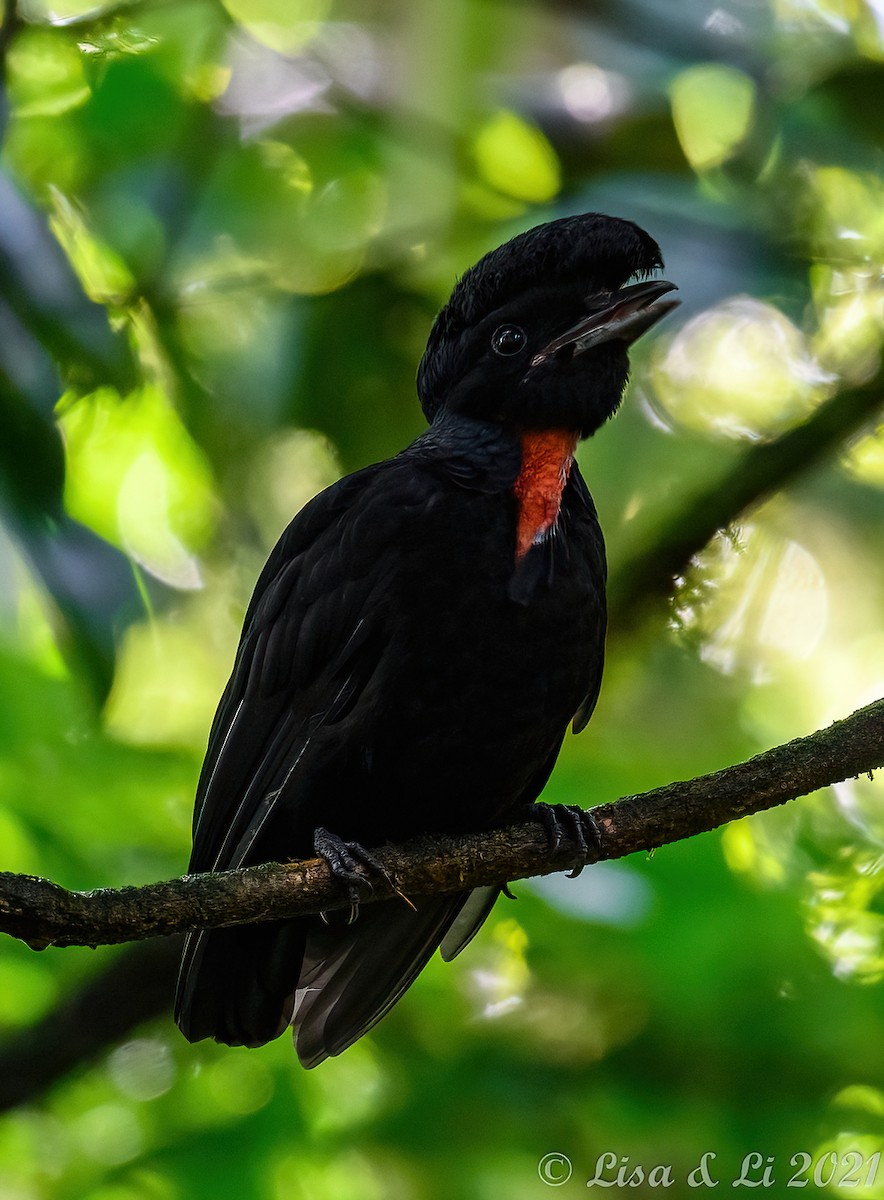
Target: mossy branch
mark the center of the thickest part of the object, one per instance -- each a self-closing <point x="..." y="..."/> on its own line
<point x="42" y="913"/>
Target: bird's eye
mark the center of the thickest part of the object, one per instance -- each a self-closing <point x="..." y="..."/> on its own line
<point x="508" y="339"/>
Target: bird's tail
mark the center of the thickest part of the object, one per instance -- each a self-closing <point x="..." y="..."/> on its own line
<point x="237" y="985"/>
<point x="354" y="974"/>
<point x="333" y="982"/>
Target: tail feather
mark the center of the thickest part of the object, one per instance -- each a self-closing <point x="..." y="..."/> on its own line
<point x="237" y="985"/>
<point x="354" y="974"/>
<point x="468" y="921"/>
<point x="244" y="985"/>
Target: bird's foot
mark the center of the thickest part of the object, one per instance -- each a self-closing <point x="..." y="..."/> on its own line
<point x="352" y="863"/>
<point x="569" y="821"/>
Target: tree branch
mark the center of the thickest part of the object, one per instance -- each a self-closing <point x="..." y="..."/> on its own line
<point x="42" y="913"/>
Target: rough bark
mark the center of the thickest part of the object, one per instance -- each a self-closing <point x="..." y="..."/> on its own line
<point x="42" y="913"/>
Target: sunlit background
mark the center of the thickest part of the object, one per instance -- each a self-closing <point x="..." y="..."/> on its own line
<point x="224" y="231"/>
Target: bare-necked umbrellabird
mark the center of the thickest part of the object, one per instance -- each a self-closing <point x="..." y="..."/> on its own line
<point x="420" y="638"/>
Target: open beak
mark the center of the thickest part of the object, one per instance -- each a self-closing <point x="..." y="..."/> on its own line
<point x="632" y="312"/>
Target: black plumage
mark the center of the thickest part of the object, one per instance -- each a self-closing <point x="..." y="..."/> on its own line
<point x="420" y="638"/>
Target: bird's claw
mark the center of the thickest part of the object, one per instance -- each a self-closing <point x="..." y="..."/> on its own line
<point x="325" y="917"/>
<point x="569" y="821"/>
<point x="352" y="863"/>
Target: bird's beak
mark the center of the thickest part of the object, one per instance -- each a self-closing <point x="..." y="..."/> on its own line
<point x="632" y="312"/>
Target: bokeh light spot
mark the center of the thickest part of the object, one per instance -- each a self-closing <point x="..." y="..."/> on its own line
<point x="760" y="600"/>
<point x="516" y="158"/>
<point x="592" y="94"/>
<point x="135" y="476"/>
<point x="284" y="25"/>
<point x="169" y="675"/>
<point x="848" y="217"/>
<point x="845" y="918"/>
<point x="741" y="369"/>
<point x="864" y="460"/>
<point x="142" y="1069"/>
<point x="748" y="850"/>
<point x="712" y="109"/>
<point x="45" y="74"/>
<point x="109" y="1133"/>
<point x="285" y="473"/>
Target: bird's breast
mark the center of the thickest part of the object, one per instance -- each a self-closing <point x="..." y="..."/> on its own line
<point x="547" y="456"/>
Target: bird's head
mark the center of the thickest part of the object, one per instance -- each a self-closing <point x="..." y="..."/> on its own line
<point x="535" y="335"/>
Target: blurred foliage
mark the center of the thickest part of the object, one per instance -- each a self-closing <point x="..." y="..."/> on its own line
<point x="224" y="230"/>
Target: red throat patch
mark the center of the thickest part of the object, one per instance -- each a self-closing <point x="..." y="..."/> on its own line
<point x="546" y="464"/>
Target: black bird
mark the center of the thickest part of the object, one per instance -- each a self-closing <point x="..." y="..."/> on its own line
<point x="419" y="640"/>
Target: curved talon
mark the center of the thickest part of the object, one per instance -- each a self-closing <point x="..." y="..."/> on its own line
<point x="505" y="891"/>
<point x="561" y="820"/>
<point x="327" y="916"/>
<point x="350" y="862"/>
<point x="579" y="836"/>
<point x="545" y="814"/>
<point x="595" y="833"/>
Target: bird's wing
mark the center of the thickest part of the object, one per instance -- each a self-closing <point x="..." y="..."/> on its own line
<point x="587" y="707"/>
<point x="314" y="634"/>
<point x="311" y="641"/>
<point x="582" y="509"/>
